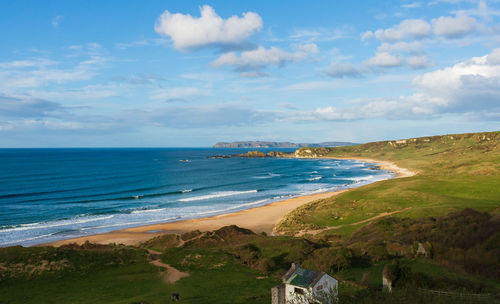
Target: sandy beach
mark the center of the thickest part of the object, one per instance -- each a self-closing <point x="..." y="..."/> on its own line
<point x="259" y="219"/>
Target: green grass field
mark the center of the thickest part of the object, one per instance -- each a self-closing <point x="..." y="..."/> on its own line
<point x="454" y="172"/>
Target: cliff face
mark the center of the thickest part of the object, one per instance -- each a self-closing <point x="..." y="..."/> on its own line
<point x="274" y="144"/>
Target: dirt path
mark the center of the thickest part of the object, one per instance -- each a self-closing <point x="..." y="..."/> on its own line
<point x="381" y="215"/>
<point x="170" y="275"/>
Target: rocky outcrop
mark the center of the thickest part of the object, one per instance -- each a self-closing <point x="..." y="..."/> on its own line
<point x="255" y="154"/>
<point x="252" y="154"/>
<point x="311" y="152"/>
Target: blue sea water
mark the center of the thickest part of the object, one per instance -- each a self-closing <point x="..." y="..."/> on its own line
<point x="52" y="194"/>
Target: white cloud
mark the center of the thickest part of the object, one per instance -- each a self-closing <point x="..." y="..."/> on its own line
<point x="55" y="21"/>
<point x="16" y="77"/>
<point x="312" y="85"/>
<point x="341" y="70"/>
<point x="411" y="5"/>
<point x="12" y="80"/>
<point x="96" y="91"/>
<point x="93" y="46"/>
<point x="385" y="60"/>
<point x="450" y="79"/>
<point x="177" y="94"/>
<point x="454" y="27"/>
<point x="254" y="74"/>
<point x="367" y="35"/>
<point x="494" y="57"/>
<point x="482" y="11"/>
<point x="321" y="34"/>
<point x="419" y="62"/>
<point x="127" y="45"/>
<point x="410" y="47"/>
<point x="470" y="88"/>
<point x="409" y="28"/>
<point x="188" y="32"/>
<point x="261" y="57"/>
<point x="29" y="63"/>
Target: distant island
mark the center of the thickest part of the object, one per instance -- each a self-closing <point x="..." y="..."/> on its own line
<point x="274" y="144"/>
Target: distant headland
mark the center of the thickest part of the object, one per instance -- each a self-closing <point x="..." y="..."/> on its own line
<point x="274" y="144"/>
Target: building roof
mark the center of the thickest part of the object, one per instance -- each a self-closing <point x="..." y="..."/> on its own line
<point x="302" y="277"/>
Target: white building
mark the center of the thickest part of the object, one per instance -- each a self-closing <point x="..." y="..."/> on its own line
<point x="302" y="285"/>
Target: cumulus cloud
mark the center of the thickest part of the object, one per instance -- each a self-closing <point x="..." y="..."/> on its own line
<point x="262" y="57"/>
<point x="419" y="62"/>
<point x="445" y="26"/>
<point x="188" y="32"/>
<point x="454" y="27"/>
<point x="409" y="28"/>
<point x="494" y="57"/>
<point x="385" y="60"/>
<point x="341" y="70"/>
<point x="470" y="88"/>
<point x="410" y="47"/>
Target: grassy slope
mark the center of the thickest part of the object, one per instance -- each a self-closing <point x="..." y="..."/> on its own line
<point x="115" y="275"/>
<point x="454" y="172"/>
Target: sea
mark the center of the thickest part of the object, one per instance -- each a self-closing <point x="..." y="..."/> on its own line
<point x="54" y="194"/>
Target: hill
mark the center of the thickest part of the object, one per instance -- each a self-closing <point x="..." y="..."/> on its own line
<point x="454" y="172"/>
<point x="273" y="144"/>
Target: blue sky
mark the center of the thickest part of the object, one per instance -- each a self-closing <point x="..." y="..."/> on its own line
<point x="188" y="73"/>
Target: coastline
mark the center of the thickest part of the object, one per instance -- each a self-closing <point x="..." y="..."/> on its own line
<point x="258" y="219"/>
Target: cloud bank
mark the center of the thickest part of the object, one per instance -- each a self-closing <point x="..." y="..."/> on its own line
<point x="262" y="57"/>
<point x="470" y="88"/>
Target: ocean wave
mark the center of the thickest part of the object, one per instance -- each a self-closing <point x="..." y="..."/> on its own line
<point x="358" y="178"/>
<point x="86" y="197"/>
<point x="130" y="224"/>
<point x="148" y="210"/>
<point x="315" y="178"/>
<point x="51" y="224"/>
<point x="269" y="175"/>
<point x="215" y="195"/>
<point x="124" y="198"/>
<point x="235" y="207"/>
<point x="27" y="239"/>
<point x="282" y="196"/>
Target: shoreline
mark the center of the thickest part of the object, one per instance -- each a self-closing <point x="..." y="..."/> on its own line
<point x="258" y="219"/>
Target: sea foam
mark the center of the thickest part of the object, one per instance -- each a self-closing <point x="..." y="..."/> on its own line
<point x="215" y="195"/>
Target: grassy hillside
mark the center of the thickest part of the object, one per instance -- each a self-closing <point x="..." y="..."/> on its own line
<point x="454" y="172"/>
<point x="344" y="236"/>
<point x="120" y="274"/>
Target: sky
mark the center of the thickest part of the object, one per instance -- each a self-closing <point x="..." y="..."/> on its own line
<point x="190" y="73"/>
